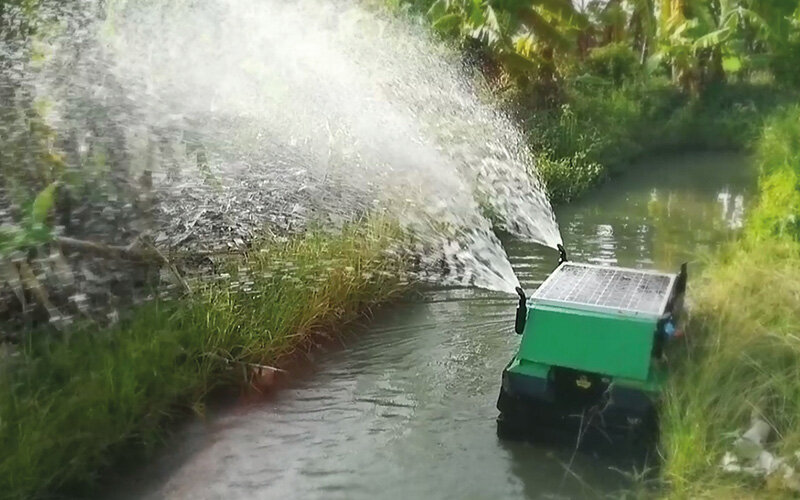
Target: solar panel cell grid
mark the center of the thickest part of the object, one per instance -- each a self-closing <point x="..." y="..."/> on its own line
<point x="620" y="289"/>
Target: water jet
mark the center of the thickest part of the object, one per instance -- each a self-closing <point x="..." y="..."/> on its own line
<point x="304" y="112"/>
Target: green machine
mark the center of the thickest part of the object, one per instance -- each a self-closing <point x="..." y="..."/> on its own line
<point x="591" y="349"/>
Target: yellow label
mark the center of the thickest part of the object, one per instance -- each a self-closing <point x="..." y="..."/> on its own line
<point x="583" y="382"/>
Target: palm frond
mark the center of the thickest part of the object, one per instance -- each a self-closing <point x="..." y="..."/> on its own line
<point x="544" y="30"/>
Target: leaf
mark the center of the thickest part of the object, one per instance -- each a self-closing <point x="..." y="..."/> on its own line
<point x="525" y="45"/>
<point x="680" y="32"/>
<point x="491" y="19"/>
<point x="753" y="19"/>
<point x="437" y="10"/>
<point x="491" y="28"/>
<point x="10" y="236"/>
<point x="713" y="39"/>
<point x="517" y="63"/>
<point x="43" y="203"/>
<point x="654" y="61"/>
<point x="676" y="24"/>
<point x="731" y="64"/>
<point x="476" y="17"/>
<point x="448" y="22"/>
<point x="544" y="31"/>
<point x="565" y="10"/>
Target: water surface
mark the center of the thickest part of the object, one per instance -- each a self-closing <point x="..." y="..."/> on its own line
<point x="406" y="408"/>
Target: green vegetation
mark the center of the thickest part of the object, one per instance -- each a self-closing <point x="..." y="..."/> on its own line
<point x="599" y="87"/>
<point x="33" y="230"/>
<point x="696" y="43"/>
<point x="595" y="88"/>
<point x="70" y="406"/>
<point x="743" y="356"/>
<point x="602" y="129"/>
<point x="778" y="211"/>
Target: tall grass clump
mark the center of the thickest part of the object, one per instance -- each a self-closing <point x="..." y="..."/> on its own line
<point x="778" y="152"/>
<point x="71" y="406"/>
<point x="742" y="357"/>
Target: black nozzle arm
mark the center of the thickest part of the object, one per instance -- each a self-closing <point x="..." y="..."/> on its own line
<point x="680" y="281"/>
<point x="522" y="298"/>
<point x="522" y="312"/>
<point x="562" y="253"/>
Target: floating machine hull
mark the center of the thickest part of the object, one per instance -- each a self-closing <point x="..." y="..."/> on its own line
<point x="590" y="356"/>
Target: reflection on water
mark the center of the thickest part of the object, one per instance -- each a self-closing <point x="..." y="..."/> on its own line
<point x="406" y="408"/>
<point x="732" y="208"/>
<point x="668" y="212"/>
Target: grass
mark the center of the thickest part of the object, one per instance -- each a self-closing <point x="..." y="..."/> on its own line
<point x="71" y="406"/>
<point x="778" y="153"/>
<point x="743" y="355"/>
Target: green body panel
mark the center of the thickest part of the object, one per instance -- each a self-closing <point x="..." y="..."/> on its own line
<point x="653" y="384"/>
<point x="528" y="368"/>
<point x="601" y="342"/>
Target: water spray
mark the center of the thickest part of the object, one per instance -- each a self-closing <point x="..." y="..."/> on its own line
<point x="324" y="108"/>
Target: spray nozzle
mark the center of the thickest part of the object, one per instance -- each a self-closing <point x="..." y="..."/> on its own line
<point x="562" y="253"/>
<point x="522" y="312"/>
<point x="522" y="297"/>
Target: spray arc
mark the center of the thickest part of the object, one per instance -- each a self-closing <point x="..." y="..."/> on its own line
<point x="326" y="108"/>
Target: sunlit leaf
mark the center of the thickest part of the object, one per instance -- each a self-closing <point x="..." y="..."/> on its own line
<point x="43" y="203"/>
<point x="447" y="22"/>
<point x="476" y="15"/>
<point x="565" y="10"/>
<point x="491" y="19"/>
<point x="437" y="10"/>
<point x="713" y="39"/>
<point x="731" y="64"/>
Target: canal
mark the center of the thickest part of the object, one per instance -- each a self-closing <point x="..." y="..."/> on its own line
<point x="404" y="408"/>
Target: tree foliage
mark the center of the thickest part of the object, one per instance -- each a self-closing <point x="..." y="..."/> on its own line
<point x="697" y="42"/>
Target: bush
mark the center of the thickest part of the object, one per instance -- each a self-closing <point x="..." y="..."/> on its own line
<point x="611" y="126"/>
<point x="607" y="125"/>
<point x="567" y="178"/>
<point x="616" y="62"/>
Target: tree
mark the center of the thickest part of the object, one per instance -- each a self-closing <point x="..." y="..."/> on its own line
<point x="781" y="46"/>
<point x="523" y="36"/>
<point x="695" y="37"/>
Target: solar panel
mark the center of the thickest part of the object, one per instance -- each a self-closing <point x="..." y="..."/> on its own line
<point x="624" y="290"/>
